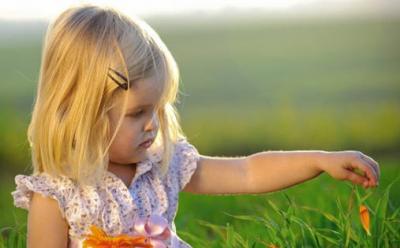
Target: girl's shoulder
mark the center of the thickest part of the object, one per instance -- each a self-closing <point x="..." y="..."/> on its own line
<point x="79" y="205"/>
<point x="184" y="162"/>
<point x="59" y="188"/>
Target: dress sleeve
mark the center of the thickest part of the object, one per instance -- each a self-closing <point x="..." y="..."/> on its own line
<point x="59" y="188"/>
<point x="184" y="162"/>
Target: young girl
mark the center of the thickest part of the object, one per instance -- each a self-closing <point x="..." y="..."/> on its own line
<point x="108" y="152"/>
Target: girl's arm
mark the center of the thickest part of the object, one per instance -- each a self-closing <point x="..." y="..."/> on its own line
<point x="46" y="227"/>
<point x="275" y="170"/>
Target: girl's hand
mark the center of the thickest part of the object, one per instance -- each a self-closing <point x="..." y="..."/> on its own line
<point x="343" y="165"/>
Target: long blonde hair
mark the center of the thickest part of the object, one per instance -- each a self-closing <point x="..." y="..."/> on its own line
<point x="69" y="132"/>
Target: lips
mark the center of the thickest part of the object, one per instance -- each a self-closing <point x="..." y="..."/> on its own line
<point x="147" y="143"/>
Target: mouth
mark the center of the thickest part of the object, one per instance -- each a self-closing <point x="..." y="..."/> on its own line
<point x="147" y="143"/>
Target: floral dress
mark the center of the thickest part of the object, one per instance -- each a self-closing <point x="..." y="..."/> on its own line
<point x="113" y="206"/>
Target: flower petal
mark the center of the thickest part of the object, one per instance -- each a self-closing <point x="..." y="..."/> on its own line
<point x="96" y="231"/>
<point x="156" y="225"/>
<point x="157" y="243"/>
<point x="165" y="235"/>
<point x="364" y="216"/>
<point x="140" y="227"/>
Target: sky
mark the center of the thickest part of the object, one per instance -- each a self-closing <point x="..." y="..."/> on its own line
<point x="48" y="9"/>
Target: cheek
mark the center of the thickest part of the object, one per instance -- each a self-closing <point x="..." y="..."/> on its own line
<point x="128" y="136"/>
<point x="122" y="150"/>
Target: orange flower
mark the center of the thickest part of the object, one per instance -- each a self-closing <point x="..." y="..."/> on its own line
<point x="364" y="216"/>
<point x="99" y="239"/>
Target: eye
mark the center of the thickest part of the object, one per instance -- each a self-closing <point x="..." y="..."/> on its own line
<point x="136" y="114"/>
<point x="139" y="113"/>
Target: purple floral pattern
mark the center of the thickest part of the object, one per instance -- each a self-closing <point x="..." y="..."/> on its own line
<point x="113" y="206"/>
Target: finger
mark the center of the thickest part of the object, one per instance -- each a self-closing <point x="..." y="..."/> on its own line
<point x="355" y="178"/>
<point x="372" y="168"/>
<point x="374" y="164"/>
<point x="364" y="167"/>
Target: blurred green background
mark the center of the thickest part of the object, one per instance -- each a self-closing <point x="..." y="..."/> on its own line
<point x="247" y="86"/>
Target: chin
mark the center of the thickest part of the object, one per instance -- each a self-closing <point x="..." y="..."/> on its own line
<point x="141" y="155"/>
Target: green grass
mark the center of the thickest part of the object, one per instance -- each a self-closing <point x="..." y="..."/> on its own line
<point x="321" y="212"/>
<point x="324" y="195"/>
<point x="247" y="87"/>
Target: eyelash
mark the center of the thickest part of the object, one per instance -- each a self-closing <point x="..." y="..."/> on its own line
<point x="138" y="113"/>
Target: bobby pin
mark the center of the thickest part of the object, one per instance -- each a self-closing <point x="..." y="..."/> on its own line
<point x="124" y="85"/>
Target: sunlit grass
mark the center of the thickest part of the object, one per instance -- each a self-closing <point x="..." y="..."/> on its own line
<point x="260" y="90"/>
<point x="318" y="213"/>
<point x="292" y="227"/>
<point x="13" y="237"/>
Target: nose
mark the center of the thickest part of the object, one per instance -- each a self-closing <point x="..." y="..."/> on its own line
<point x="153" y="123"/>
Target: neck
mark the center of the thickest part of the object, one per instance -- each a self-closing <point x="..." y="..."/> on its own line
<point x="125" y="172"/>
<point x="116" y="166"/>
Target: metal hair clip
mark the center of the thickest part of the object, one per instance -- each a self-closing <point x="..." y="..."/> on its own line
<point x="124" y="85"/>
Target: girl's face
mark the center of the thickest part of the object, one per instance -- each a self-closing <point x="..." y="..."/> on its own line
<point x="139" y="124"/>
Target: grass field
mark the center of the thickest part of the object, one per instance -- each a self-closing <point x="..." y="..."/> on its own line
<point x="322" y="194"/>
<point x="263" y="85"/>
<point x="319" y="213"/>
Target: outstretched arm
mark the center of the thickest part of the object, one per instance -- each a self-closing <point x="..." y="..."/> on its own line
<point x="275" y="170"/>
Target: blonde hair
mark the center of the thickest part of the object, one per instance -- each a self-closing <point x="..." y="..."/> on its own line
<point x="69" y="132"/>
